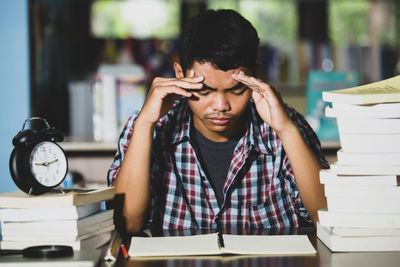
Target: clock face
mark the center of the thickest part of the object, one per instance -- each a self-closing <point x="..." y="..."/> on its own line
<point x="48" y="163"/>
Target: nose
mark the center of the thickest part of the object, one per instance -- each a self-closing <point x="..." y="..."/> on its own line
<point x="221" y="102"/>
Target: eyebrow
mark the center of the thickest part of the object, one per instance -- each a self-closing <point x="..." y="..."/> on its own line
<point x="235" y="87"/>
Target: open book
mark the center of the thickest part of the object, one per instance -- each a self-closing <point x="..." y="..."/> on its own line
<point x="215" y="244"/>
<point x="384" y="91"/>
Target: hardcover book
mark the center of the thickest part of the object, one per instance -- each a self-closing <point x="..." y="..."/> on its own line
<point x="358" y="220"/>
<point x="338" y="243"/>
<point x="68" y="197"/>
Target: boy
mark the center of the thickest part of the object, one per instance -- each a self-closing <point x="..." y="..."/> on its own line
<point x="215" y="147"/>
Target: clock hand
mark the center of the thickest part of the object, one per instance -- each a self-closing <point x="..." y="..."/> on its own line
<point x="50" y="162"/>
<point x="46" y="163"/>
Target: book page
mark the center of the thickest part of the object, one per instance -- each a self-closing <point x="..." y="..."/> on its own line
<point x="268" y="245"/>
<point x="174" y="245"/>
<point x="388" y="86"/>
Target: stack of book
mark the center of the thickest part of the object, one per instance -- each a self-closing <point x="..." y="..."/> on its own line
<point x="362" y="187"/>
<point x="73" y="218"/>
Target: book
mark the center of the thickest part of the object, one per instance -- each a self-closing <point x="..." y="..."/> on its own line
<point x="364" y="231"/>
<point x="362" y="126"/>
<point x="59" y="236"/>
<point x="53" y="198"/>
<point x="48" y="214"/>
<point x="384" y="91"/>
<point x="370" y="143"/>
<point x="89" y="243"/>
<point x="368" y="158"/>
<point x="105" y="108"/>
<point x="352" y="219"/>
<point x="365" y="169"/>
<point x="54" y="234"/>
<point x="118" y="89"/>
<point x="215" y="244"/>
<point x="384" y="110"/>
<point x="338" y="243"/>
<point x="373" y="204"/>
<point x="390" y="192"/>
<point x="59" y="225"/>
<point x="328" y="177"/>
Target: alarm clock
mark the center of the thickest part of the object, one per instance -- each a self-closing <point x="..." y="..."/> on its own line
<point x="37" y="162"/>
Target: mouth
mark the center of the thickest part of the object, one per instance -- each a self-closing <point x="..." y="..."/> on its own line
<point x="219" y="121"/>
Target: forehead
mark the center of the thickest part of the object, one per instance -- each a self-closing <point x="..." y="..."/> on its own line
<point x="213" y="77"/>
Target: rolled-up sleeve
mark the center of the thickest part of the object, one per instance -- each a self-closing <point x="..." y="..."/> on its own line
<point x="123" y="143"/>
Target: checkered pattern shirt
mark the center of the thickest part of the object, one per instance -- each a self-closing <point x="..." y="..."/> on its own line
<point x="260" y="189"/>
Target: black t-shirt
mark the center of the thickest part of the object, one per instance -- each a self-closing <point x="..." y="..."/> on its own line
<point x="216" y="158"/>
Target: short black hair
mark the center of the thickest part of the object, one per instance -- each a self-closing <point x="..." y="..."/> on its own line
<point x="223" y="38"/>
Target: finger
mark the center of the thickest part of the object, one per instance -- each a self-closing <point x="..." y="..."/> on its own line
<point x="257" y="85"/>
<point x="185" y="84"/>
<point x="168" y="81"/>
<point x="165" y="91"/>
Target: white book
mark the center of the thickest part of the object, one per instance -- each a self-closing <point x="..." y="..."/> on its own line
<point x="89" y="243"/>
<point x="360" y="231"/>
<point x="352" y="244"/>
<point x="59" y="225"/>
<point x="353" y="219"/>
<point x="386" y="192"/>
<point x="215" y="244"/>
<point x="385" y="110"/>
<point x="365" y="169"/>
<point x="362" y="126"/>
<point x="48" y="214"/>
<point x="326" y="176"/>
<point x="55" y="198"/>
<point x="109" y="124"/>
<point x="344" y="158"/>
<point x="373" y="204"/>
<point x="57" y="237"/>
<point x="29" y="233"/>
<point x="370" y="143"/>
<point x="379" y="92"/>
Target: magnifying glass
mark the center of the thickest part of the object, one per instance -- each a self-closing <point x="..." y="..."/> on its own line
<point x="48" y="251"/>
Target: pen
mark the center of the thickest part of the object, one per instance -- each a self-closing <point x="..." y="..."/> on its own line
<point x="124" y="251"/>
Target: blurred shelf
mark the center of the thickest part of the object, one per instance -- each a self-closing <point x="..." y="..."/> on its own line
<point x="74" y="144"/>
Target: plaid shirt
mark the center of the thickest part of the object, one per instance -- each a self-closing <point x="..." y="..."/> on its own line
<point x="260" y="189"/>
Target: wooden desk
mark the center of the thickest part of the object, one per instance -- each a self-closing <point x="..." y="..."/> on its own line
<point x="323" y="258"/>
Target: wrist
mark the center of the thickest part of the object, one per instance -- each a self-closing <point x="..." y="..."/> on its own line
<point x="143" y="123"/>
<point x="290" y="129"/>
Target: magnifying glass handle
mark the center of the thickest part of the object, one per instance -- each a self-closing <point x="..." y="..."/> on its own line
<point x="5" y="252"/>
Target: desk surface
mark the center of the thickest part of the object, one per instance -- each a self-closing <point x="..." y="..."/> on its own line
<point x="323" y="258"/>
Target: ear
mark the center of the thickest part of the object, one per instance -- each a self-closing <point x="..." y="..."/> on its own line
<point x="178" y="70"/>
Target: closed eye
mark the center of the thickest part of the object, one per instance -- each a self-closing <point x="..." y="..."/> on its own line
<point x="239" y="91"/>
<point x="204" y="92"/>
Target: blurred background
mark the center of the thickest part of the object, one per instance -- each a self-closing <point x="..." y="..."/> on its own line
<point x="86" y="65"/>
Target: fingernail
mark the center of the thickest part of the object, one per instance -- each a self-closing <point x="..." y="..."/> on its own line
<point x="191" y="73"/>
<point x="241" y="73"/>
